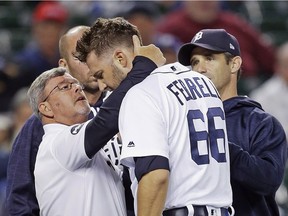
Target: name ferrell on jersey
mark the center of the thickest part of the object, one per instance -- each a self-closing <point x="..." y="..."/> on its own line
<point x="192" y="89"/>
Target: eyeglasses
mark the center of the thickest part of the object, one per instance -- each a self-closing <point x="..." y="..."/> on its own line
<point x="64" y="86"/>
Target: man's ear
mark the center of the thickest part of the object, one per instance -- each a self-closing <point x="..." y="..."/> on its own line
<point x="62" y="63"/>
<point x="120" y="58"/>
<point x="45" y="109"/>
<point x="236" y="64"/>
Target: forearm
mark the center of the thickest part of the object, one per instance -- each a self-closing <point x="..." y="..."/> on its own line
<point x="152" y="191"/>
<point x="105" y="125"/>
<point x="261" y="174"/>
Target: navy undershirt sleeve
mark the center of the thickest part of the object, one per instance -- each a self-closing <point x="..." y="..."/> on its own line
<point x="144" y="165"/>
<point x="105" y="125"/>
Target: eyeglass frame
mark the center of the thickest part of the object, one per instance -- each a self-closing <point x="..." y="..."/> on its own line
<point x="61" y="89"/>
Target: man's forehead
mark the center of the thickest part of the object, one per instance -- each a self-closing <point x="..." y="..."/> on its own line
<point x="63" y="78"/>
<point x="91" y="55"/>
<point x="92" y="59"/>
<point x="67" y="76"/>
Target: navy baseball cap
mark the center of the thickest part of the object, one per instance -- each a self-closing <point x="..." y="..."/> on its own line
<point x="212" y="39"/>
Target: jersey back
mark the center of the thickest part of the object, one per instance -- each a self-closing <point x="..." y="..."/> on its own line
<point x="177" y="113"/>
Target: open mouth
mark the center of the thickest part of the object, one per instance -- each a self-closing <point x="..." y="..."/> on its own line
<point x="81" y="98"/>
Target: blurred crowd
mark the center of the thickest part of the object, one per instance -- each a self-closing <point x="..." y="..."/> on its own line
<point x="30" y="31"/>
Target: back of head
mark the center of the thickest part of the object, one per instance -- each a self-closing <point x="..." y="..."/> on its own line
<point x="105" y="35"/>
<point x="67" y="40"/>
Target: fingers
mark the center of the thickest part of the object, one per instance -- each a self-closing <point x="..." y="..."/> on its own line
<point x="136" y="44"/>
<point x="150" y="51"/>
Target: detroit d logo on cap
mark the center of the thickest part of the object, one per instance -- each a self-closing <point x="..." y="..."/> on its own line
<point x="197" y="36"/>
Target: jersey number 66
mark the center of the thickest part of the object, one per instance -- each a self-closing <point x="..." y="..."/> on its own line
<point x="211" y="137"/>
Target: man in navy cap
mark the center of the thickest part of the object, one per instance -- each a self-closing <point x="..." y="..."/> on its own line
<point x="258" y="146"/>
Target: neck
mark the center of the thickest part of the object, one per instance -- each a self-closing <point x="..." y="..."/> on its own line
<point x="228" y="91"/>
<point x="93" y="97"/>
<point x="71" y="120"/>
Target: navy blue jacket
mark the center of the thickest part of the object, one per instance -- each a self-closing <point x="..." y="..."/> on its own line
<point x="4" y="156"/>
<point x="21" y="199"/>
<point x="258" y="153"/>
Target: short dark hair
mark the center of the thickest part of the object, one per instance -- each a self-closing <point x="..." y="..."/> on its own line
<point x="105" y="34"/>
<point x="229" y="57"/>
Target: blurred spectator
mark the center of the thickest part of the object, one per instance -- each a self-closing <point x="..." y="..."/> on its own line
<point x="5" y="94"/>
<point x="10" y="124"/>
<point x="5" y="144"/>
<point x="20" y="110"/>
<point x="80" y="11"/>
<point x="258" y="54"/>
<point x="5" y="132"/>
<point x="249" y="10"/>
<point x="273" y="93"/>
<point x="169" y="45"/>
<point x="3" y="169"/>
<point x="273" y="96"/>
<point x="144" y="15"/>
<point x="168" y="6"/>
<point x="41" y="53"/>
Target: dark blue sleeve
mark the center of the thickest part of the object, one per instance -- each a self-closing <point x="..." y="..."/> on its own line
<point x="144" y="165"/>
<point x="3" y="164"/>
<point x="20" y="196"/>
<point x="259" y="163"/>
<point x="105" y="125"/>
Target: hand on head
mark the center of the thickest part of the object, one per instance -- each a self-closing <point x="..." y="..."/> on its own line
<point x="150" y="51"/>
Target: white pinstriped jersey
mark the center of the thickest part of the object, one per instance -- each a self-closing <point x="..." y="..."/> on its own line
<point x="68" y="182"/>
<point x="177" y="113"/>
<point x="113" y="148"/>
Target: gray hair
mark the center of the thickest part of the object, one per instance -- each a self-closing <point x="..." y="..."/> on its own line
<point x="35" y="92"/>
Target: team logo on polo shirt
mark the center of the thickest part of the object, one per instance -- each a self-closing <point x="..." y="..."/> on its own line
<point x="131" y="144"/>
<point x="75" y="129"/>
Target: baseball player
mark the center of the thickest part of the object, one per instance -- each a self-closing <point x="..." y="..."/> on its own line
<point x="175" y="144"/>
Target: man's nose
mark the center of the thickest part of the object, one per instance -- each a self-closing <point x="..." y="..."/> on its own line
<point x="201" y="67"/>
<point x="102" y="85"/>
<point x="77" y="86"/>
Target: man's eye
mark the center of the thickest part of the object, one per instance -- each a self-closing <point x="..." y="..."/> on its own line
<point x="209" y="58"/>
<point x="194" y="63"/>
<point x="65" y="86"/>
<point x="99" y="75"/>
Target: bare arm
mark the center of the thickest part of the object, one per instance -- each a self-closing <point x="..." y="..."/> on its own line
<point x="152" y="191"/>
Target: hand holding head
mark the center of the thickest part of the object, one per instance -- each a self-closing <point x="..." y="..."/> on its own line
<point x="151" y="51"/>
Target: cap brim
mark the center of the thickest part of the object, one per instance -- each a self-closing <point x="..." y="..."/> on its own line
<point x="185" y="51"/>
